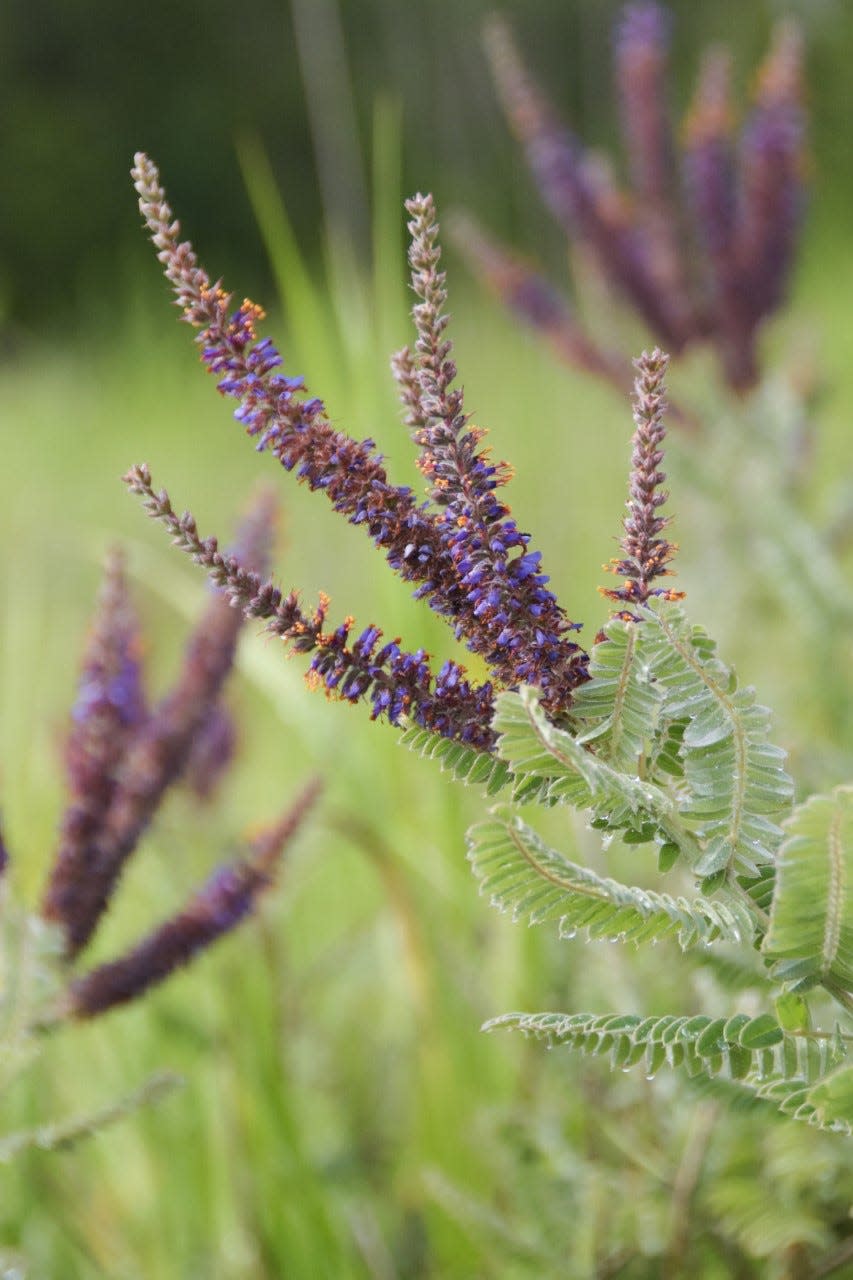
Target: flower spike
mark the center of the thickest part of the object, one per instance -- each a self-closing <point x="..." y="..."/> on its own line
<point x="218" y="907"/>
<point x="156" y="756"/>
<point x="520" y="627"/>
<point x="109" y="711"/>
<point x="645" y="554"/>
<point x="737" y="201"/>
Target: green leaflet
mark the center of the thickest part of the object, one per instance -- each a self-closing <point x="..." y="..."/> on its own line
<point x="464" y="763"/>
<point x="660" y="701"/>
<point x="537" y="751"/>
<point x="524" y="876"/>
<point x="735" y="778"/>
<point x="805" y="1078"/>
<point x="811" y="918"/>
<point x="619" y="709"/>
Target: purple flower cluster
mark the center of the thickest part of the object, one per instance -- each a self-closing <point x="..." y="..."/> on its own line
<point x="518" y="624"/>
<point x="735" y="205"/>
<point x="121" y="759"/>
<point x="468" y="559"/>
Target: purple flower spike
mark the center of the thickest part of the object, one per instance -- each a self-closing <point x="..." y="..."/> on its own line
<point x="579" y="192"/>
<point x="772" y="176"/>
<point x="219" y="906"/>
<point x="642" y="52"/>
<point x="645" y="555"/>
<point x="460" y="559"/>
<point x="395" y="682"/>
<point x="155" y="756"/>
<point x="109" y="711"/>
<point x="702" y="245"/>
<point x="484" y="543"/>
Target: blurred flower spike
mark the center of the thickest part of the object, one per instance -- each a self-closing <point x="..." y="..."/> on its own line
<point x="702" y="243"/>
<point x="121" y="757"/>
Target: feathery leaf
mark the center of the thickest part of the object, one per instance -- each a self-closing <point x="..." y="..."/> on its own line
<point x="525" y="876"/>
<point x="811" y="919"/>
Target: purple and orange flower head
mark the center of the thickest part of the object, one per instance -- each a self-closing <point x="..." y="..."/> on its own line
<point x="461" y="549"/>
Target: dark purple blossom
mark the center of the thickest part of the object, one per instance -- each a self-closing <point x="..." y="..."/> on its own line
<point x="154" y="757"/>
<point x="219" y="906"/>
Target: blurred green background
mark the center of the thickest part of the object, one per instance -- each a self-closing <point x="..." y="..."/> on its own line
<point x="85" y="83"/>
<point x="343" y="1116"/>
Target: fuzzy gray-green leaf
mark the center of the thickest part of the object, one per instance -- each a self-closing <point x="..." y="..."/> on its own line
<point x="811" y="917"/>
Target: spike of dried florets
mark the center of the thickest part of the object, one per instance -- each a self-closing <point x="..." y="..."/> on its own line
<point x="218" y="907"/>
<point x="645" y="553"/>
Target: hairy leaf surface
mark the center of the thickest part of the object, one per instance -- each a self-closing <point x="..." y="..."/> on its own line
<point x="806" y="1078"/>
<point x="526" y="877"/>
<point x="811" y="916"/>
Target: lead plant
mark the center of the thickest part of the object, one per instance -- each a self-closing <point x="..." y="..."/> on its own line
<point x="648" y="735"/>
